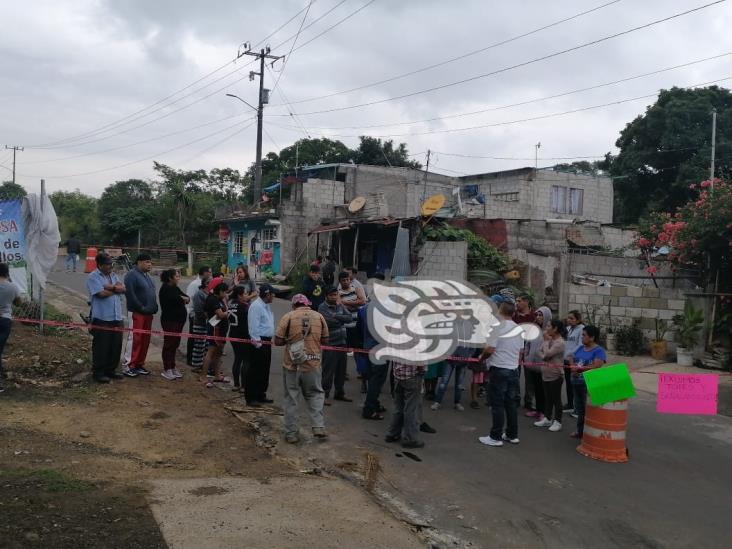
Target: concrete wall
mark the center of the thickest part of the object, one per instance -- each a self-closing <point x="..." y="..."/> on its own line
<point x="619" y="239"/>
<point x="628" y="304"/>
<point x="534" y="195"/>
<point x="618" y="269"/>
<point x="444" y="260"/>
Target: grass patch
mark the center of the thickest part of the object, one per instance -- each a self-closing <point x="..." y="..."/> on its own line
<point x="48" y="480"/>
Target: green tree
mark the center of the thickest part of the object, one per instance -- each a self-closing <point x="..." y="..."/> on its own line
<point x="668" y="146"/>
<point x="124" y="208"/>
<point x="77" y="215"/>
<point x="377" y="153"/>
<point x="582" y="167"/>
<point x="10" y="191"/>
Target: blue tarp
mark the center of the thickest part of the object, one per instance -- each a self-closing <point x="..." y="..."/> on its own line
<point x="272" y="187"/>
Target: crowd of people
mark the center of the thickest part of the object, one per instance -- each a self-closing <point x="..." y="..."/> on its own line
<point x="333" y="314"/>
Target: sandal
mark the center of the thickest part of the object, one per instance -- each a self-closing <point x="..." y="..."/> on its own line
<point x="209" y="385"/>
<point x="373" y="415"/>
<point x="222" y="379"/>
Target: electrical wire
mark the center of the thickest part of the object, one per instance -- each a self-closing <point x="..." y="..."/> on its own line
<point x="510" y="122"/>
<point x="460" y="155"/>
<point x="346" y="18"/>
<point x="529" y="101"/>
<point x="120" y="121"/>
<point x="218" y="90"/>
<point x="458" y="57"/>
<point x="516" y="65"/>
<point x="140" y="142"/>
<point x="93" y="172"/>
<point x="294" y="42"/>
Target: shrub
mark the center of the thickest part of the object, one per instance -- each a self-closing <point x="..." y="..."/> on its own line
<point x="629" y="339"/>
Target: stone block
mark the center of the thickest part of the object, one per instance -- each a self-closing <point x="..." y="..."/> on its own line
<point x="666" y="314"/>
<point x="659" y="303"/>
<point x="619" y="311"/>
<point x="649" y="313"/>
<point x="596" y="300"/>
<point x="676" y="304"/>
<point x="648" y="323"/>
<point x="604" y="290"/>
<point x="618" y="291"/>
<point x="651" y="292"/>
<point x="625" y="301"/>
<point x="583" y="299"/>
<point x="634" y="291"/>
<point x="633" y="312"/>
<point x="643" y="302"/>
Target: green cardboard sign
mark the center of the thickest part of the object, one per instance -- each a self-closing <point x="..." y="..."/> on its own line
<point x="609" y="383"/>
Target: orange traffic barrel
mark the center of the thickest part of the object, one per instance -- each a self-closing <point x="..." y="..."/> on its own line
<point x="604" y="434"/>
<point x="91" y="260"/>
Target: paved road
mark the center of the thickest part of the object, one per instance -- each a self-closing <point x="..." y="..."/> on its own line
<point x="674" y="492"/>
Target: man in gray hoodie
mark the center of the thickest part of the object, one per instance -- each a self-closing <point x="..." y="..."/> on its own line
<point x="334" y="362"/>
<point x="142" y="305"/>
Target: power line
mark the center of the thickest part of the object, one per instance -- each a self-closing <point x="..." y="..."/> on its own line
<point x="529" y="101"/>
<point x="457" y="58"/>
<point x="121" y="121"/>
<point x="287" y="57"/>
<point x="216" y="91"/>
<point x="460" y="155"/>
<point x="346" y="18"/>
<point x="529" y="119"/>
<point x="515" y="66"/>
<point x="94" y="153"/>
<point x="93" y="172"/>
<point x="15" y="149"/>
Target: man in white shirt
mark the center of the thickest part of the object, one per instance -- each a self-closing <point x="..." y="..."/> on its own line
<point x="503" y="354"/>
<point x="204" y="275"/>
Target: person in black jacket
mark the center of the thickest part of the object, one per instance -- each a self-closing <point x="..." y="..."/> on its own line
<point x="173" y="303"/>
<point x="314" y="287"/>
<point x="142" y="305"/>
<point x="239" y="328"/>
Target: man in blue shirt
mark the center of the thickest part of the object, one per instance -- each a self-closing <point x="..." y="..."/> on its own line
<point x="261" y="331"/>
<point x="105" y="290"/>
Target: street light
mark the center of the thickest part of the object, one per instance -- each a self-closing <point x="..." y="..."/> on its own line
<point x="240" y="99"/>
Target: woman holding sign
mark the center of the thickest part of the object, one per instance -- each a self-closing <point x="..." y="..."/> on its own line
<point x="587" y="356"/>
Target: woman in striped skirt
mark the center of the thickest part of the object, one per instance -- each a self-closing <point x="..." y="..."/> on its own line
<point x="199" y="328"/>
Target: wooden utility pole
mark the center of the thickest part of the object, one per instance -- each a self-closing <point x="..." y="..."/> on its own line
<point x="15" y="149"/>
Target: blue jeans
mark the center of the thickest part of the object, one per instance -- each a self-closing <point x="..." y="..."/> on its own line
<point x="459" y="368"/>
<point x="375" y="382"/>
<point x="503" y="389"/>
<point x="580" y="402"/>
<point x="71" y="260"/>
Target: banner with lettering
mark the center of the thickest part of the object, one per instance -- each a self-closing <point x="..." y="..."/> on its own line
<point x="12" y="242"/>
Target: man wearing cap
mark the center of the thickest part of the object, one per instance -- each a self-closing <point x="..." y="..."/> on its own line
<point x="301" y="373"/>
<point x="334" y="362"/>
<point x="105" y="291"/>
<point x="142" y="303"/>
<point x="261" y="331"/>
<point x="313" y="287"/>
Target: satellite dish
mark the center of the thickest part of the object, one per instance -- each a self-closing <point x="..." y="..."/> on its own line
<point x="356" y="204"/>
<point x="433" y="204"/>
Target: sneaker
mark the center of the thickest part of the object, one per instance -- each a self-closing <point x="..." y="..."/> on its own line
<point x="413" y="444"/>
<point x="511" y="440"/>
<point x="435" y="406"/>
<point x="169" y="375"/>
<point x="349" y="353"/>
<point x="319" y="432"/>
<point x="488" y="441"/>
<point x="101" y="379"/>
<point x="568" y="409"/>
<point x="142" y="371"/>
<point x="459" y="407"/>
<point x="574" y="415"/>
<point x="425" y="428"/>
<point x="392" y="438"/>
<point x="292" y="438"/>
<point x="555" y="426"/>
<point x="130" y="372"/>
<point x="543" y="422"/>
<point x="177" y="373"/>
<point x="532" y="413"/>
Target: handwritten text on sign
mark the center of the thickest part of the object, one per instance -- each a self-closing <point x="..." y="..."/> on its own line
<point x="687" y="394"/>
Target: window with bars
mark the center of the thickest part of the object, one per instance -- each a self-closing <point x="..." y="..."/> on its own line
<point x="269" y="237"/>
<point x="506" y="197"/>
<point x="565" y="200"/>
<point x="239" y="246"/>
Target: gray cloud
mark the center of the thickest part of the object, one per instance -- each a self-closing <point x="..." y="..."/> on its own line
<point x="67" y="68"/>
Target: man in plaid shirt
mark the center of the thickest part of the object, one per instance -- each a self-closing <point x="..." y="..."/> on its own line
<point x="407" y="403"/>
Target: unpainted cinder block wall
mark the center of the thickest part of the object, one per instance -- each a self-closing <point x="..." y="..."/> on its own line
<point x="444" y="261"/>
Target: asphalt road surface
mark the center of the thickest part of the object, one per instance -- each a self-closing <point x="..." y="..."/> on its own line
<point x="675" y="492"/>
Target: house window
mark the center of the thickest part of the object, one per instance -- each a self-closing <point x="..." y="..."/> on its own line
<point x="566" y="200"/>
<point x="239" y="240"/>
<point x="506" y="197"/>
<point x="269" y="237"/>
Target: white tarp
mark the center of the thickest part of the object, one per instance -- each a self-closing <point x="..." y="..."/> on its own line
<point x="42" y="237"/>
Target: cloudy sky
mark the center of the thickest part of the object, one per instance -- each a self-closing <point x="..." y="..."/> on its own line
<point x="95" y="90"/>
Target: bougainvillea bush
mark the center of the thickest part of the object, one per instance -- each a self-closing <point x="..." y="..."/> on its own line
<point x="698" y="234"/>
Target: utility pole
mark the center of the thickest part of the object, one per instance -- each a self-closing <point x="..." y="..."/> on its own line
<point x="714" y="145"/>
<point x="15" y="149"/>
<point x="262" y="55"/>
<point x="536" y="156"/>
<point x="426" y="171"/>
